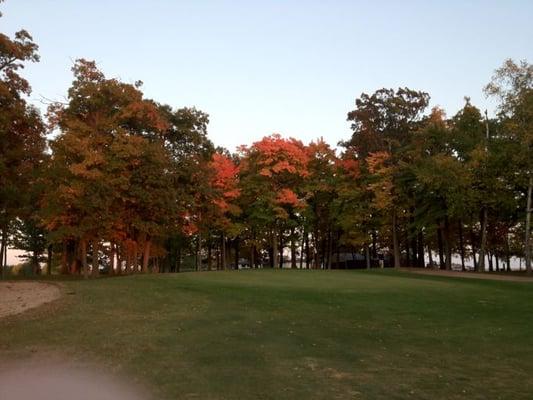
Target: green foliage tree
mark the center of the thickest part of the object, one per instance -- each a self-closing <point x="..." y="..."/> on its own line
<point x="385" y="122"/>
<point x="512" y="84"/>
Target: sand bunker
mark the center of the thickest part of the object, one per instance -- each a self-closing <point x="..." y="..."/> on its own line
<point x="16" y="297"/>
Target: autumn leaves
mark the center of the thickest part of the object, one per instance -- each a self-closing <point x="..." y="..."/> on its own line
<point x="132" y="185"/>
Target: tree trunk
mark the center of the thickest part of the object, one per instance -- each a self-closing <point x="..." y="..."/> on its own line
<point x="293" y="250"/>
<point x="281" y="250"/>
<point x="346" y="262"/>
<point x="83" y="249"/>
<point x="407" y="252"/>
<point x="49" y="260"/>
<point x="199" y="252"/>
<point x="223" y="251"/>
<point x="218" y="251"/>
<point x="323" y="252"/>
<point x="374" y="245"/>
<point x="2" y="272"/>
<point x="75" y="267"/>
<point x="395" y="245"/>
<point x="529" y="210"/>
<point x="274" y="250"/>
<point x="146" y="255"/>
<point x="441" y="248"/>
<point x="316" y="252"/>
<point x="420" y="244"/>
<point x="507" y="252"/>
<point x="135" y="255"/>
<point x="96" y="247"/>
<point x="178" y="259"/>
<point x="170" y="258"/>
<point x="448" y="243"/>
<point x="3" y="249"/>
<point x="413" y="244"/>
<point x="111" y="258"/>
<point x="367" y="257"/>
<point x="209" y="256"/>
<point x="307" y="260"/>
<point x="64" y="258"/>
<point x="237" y="250"/>
<point x="128" y="250"/>
<point x="484" y="218"/>
<point x="252" y="256"/>
<point x="6" y="248"/>
<point x="5" y="254"/>
<point x="337" y="251"/>
<point x="35" y="263"/>
<point x="473" y="245"/>
<point x="330" y="249"/>
<point x="118" y="249"/>
<point x="2" y="266"/>
<point x="462" y="246"/>
<point x="430" y="255"/>
<point x="302" y="245"/>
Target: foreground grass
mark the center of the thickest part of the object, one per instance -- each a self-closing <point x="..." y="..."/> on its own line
<point x="293" y="334"/>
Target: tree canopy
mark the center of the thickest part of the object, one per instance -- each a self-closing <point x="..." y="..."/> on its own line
<point x="127" y="184"/>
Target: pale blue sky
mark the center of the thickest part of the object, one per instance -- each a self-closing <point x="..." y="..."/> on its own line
<point x="293" y="67"/>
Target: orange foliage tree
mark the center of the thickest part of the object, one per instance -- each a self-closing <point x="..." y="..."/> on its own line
<point x="109" y="172"/>
<point x="272" y="171"/>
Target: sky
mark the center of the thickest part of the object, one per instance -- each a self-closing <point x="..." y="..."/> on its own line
<point x="291" y="67"/>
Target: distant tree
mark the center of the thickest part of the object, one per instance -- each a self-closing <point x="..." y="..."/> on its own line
<point x="224" y="182"/>
<point x="131" y="183"/>
<point x="385" y="122"/>
<point x="439" y="183"/>
<point x="29" y="236"/>
<point x="109" y="175"/>
<point x="467" y="136"/>
<point x="357" y="207"/>
<point x="190" y="152"/>
<point x="22" y="140"/>
<point x="512" y="84"/>
<point x="319" y="188"/>
<point x="271" y="170"/>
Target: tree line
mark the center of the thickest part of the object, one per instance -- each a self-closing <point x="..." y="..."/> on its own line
<point x="111" y="178"/>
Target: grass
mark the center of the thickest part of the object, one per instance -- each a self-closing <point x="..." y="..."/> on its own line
<point x="293" y="334"/>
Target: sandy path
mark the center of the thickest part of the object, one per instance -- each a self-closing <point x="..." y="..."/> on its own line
<point x="471" y="275"/>
<point x="16" y="297"/>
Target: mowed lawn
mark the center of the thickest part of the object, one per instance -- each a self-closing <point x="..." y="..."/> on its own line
<point x="292" y="334"/>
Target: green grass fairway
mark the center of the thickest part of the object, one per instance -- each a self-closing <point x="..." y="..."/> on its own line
<point x="292" y="334"/>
